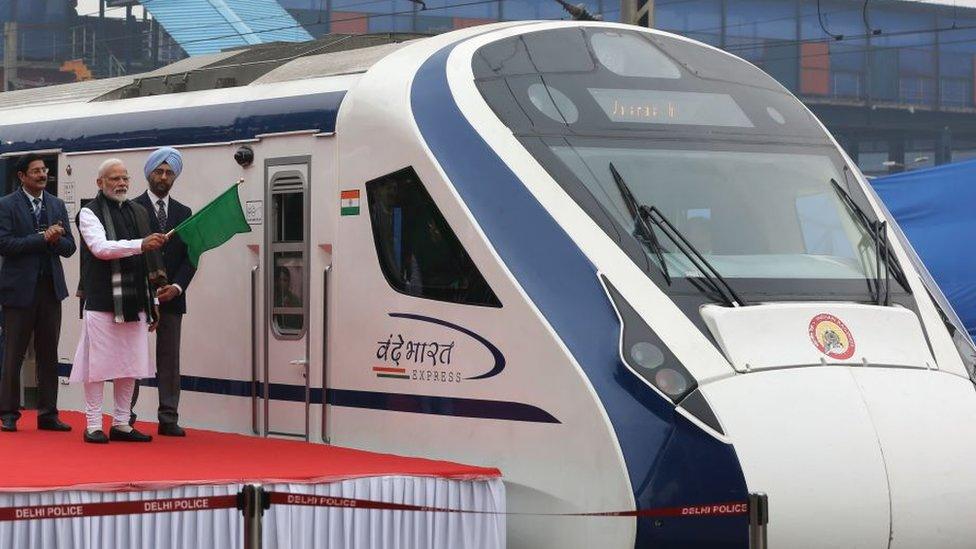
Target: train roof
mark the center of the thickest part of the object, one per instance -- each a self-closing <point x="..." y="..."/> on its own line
<point x="330" y="55"/>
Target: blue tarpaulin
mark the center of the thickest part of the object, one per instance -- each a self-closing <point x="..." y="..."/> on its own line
<point x="935" y="209"/>
<point x="209" y="26"/>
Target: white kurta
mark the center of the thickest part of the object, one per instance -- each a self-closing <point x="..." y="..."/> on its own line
<point x="106" y="349"/>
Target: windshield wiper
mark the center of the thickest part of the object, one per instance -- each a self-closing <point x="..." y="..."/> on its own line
<point x="878" y="230"/>
<point x="710" y="273"/>
<point x="643" y="214"/>
<point x="646" y="235"/>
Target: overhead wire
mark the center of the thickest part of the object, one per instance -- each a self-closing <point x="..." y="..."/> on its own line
<point x="755" y="22"/>
<point x="867" y="24"/>
<point x="848" y="38"/>
<point x="741" y="47"/>
<point x="871" y="49"/>
<point x="823" y="27"/>
<point x="296" y="25"/>
<point x="762" y="43"/>
<point x="142" y="34"/>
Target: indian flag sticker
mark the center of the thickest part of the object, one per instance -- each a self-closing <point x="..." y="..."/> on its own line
<point x="349" y="202"/>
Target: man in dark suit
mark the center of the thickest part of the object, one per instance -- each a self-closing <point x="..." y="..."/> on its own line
<point x="34" y="236"/>
<point x="161" y="170"/>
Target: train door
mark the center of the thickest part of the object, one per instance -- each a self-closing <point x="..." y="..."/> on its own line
<point x="286" y="291"/>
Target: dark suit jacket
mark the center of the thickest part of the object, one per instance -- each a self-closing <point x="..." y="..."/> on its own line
<point x="23" y="248"/>
<point x="179" y="270"/>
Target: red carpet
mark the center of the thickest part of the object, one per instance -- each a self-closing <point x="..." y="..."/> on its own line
<point x="44" y="460"/>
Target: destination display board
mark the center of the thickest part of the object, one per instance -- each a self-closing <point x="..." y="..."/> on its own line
<point x="670" y="107"/>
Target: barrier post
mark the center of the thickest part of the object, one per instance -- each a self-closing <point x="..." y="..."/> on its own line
<point x="252" y="503"/>
<point x="758" y="519"/>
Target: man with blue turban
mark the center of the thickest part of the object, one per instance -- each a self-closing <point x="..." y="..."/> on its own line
<point x="162" y="168"/>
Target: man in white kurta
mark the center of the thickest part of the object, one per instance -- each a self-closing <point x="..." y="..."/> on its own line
<point x="114" y="343"/>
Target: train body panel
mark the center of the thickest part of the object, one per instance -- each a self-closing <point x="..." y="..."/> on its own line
<point x="519" y="424"/>
<point x="443" y="250"/>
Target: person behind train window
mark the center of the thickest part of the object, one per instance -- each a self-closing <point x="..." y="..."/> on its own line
<point x="162" y="168"/>
<point x="432" y="268"/>
<point x="285" y="296"/>
<point x="120" y="265"/>
<point x="34" y="236"/>
<point x="388" y="220"/>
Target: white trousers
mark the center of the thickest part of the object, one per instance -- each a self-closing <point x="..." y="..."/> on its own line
<point x="94" y="391"/>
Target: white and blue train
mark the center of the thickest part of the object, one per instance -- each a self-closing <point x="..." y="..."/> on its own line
<point x="628" y="269"/>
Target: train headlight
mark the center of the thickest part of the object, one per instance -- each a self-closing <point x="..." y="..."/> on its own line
<point x="671" y="382"/>
<point x="647" y="355"/>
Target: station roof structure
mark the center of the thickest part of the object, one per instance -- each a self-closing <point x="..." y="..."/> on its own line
<point x="209" y="26"/>
<point x="329" y="55"/>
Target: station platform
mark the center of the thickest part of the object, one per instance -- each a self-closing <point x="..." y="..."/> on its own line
<point x="54" y="468"/>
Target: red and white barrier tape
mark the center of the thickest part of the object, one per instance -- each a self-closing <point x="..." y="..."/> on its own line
<point x="206" y="503"/>
<point x="708" y="510"/>
<point x="75" y="510"/>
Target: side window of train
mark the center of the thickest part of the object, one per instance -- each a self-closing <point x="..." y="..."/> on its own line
<point x="418" y="252"/>
<point x="288" y="254"/>
<point x="8" y="172"/>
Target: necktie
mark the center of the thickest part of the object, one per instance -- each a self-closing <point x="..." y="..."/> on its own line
<point x="37" y="212"/>
<point x="161" y="214"/>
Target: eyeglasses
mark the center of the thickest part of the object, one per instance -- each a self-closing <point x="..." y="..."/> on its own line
<point x="160" y="171"/>
<point x="119" y="178"/>
<point x="38" y="171"/>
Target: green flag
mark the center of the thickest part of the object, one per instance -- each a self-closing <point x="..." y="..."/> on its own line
<point x="213" y="225"/>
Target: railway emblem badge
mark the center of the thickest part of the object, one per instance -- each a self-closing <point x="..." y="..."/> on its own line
<point x="831" y="337"/>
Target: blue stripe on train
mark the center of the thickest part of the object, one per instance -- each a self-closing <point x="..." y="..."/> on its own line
<point x="669" y="460"/>
<point x="395" y="402"/>
<point x="180" y="126"/>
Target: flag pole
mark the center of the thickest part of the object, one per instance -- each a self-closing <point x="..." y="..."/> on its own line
<point x="169" y="233"/>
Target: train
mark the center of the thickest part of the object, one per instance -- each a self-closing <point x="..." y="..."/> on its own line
<point x="629" y="269"/>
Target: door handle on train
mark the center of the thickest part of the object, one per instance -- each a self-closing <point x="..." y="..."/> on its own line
<point x="301" y="362"/>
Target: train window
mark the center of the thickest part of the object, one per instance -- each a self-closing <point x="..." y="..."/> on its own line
<point x="799" y="227"/>
<point x="418" y="252"/>
<point x="820" y="223"/>
<point x="553" y="103"/>
<point x="288" y="254"/>
<point x="562" y="50"/>
<point x="8" y="172"/>
<point x="629" y="54"/>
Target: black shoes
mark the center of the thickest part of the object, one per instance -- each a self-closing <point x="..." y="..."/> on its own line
<point x="171" y="430"/>
<point x="8" y="424"/>
<point x="131" y="436"/>
<point x="96" y="437"/>
<point x="53" y="424"/>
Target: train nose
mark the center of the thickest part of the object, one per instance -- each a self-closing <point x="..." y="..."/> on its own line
<point x="856" y="457"/>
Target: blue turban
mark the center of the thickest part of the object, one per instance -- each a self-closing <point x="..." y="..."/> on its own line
<point x="170" y="156"/>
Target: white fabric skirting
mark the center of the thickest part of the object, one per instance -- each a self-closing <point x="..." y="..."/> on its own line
<point x="220" y="528"/>
<point x="297" y="527"/>
<point x="285" y="526"/>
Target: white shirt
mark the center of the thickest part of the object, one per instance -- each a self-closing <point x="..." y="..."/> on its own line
<point x="154" y="199"/>
<point x="31" y="198"/>
<point x="93" y="232"/>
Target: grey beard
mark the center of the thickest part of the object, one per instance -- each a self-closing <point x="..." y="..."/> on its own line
<point x="120" y="198"/>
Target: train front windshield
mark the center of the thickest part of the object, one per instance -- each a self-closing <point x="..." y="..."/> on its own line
<point x="751" y="213"/>
<point x="719" y="148"/>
